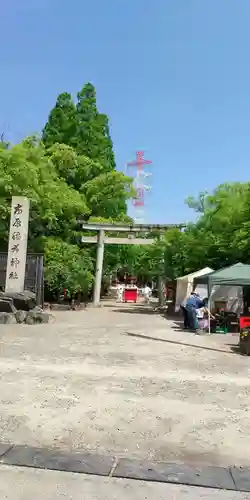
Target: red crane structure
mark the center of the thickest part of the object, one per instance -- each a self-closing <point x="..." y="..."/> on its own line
<point x="140" y="185"/>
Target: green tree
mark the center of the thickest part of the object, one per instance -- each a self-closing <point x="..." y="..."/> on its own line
<point x="61" y="125"/>
<point x="26" y="169"/>
<point x="241" y="232"/>
<point x="92" y="131"/>
<point x="107" y="152"/>
<point x="174" y="253"/>
<point x="222" y="217"/>
<point x="219" y="236"/>
<point x="76" y="170"/>
<point x="66" y="266"/>
<point x="107" y="194"/>
<point x="198" y="204"/>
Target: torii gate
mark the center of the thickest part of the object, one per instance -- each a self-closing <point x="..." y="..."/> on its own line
<point x="131" y="239"/>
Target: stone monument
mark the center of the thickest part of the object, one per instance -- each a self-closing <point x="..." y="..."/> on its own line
<point x="17" y="251"/>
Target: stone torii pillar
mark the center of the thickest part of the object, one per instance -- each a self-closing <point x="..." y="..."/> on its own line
<point x="101" y="240"/>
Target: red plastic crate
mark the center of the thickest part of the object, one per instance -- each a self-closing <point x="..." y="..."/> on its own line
<point x="130" y="295"/>
<point x="244" y="321"/>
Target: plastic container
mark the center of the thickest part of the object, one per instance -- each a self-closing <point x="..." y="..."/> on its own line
<point x="244" y="322"/>
<point x="130" y="295"/>
<point x="221" y="330"/>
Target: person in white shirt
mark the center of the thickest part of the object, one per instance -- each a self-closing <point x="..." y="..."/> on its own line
<point x="147" y="292"/>
<point x="120" y="289"/>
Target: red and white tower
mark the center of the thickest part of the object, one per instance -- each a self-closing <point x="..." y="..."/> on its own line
<point x="140" y="184"/>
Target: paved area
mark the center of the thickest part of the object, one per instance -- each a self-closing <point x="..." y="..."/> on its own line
<point x="18" y="483"/>
<point x="223" y="478"/>
<point x="121" y="382"/>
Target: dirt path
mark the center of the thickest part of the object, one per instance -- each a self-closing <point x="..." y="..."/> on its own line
<point x="126" y="383"/>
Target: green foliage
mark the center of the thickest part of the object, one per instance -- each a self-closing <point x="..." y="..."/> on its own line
<point x="107" y="194"/>
<point x="71" y="174"/>
<point x="198" y="204"/>
<point x="61" y="125"/>
<point x="66" y="266"/>
<point x="144" y="261"/>
<point x="81" y="126"/>
<point x="26" y="170"/>
<point x="74" y="169"/>
<point x="92" y="130"/>
<point x="68" y="176"/>
<point x="223" y="216"/>
<point x="240" y="243"/>
<point x="79" y="146"/>
<point x="220" y="235"/>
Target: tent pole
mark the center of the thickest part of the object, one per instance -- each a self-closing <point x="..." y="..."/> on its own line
<point x="209" y="289"/>
<point x="209" y="322"/>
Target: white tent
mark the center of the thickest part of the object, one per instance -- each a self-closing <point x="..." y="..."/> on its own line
<point x="184" y="286"/>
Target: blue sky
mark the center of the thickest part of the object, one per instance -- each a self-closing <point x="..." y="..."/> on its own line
<point x="173" y="76"/>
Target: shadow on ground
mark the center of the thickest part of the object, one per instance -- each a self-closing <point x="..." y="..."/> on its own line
<point x="178" y="324"/>
<point x="135" y="310"/>
<point x="177" y="342"/>
<point x="236" y="349"/>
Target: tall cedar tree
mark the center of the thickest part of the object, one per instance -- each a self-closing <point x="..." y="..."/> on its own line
<point x="81" y="127"/>
<point x="92" y="131"/>
<point x="61" y="125"/>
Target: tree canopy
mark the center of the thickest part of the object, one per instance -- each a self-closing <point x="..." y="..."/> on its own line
<point x="81" y="126"/>
<point x="219" y="237"/>
<point x="61" y="125"/>
<point x="68" y="174"/>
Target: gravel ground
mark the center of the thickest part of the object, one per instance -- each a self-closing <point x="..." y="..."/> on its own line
<point x="122" y="381"/>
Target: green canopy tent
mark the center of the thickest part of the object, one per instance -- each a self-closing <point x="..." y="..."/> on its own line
<point x="236" y="275"/>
